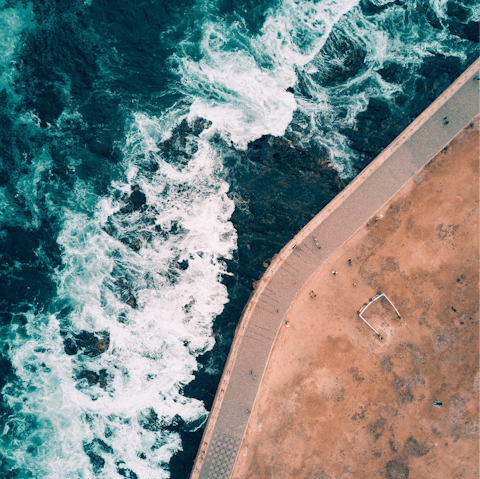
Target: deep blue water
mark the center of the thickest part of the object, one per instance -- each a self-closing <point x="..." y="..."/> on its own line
<point x="153" y="155"/>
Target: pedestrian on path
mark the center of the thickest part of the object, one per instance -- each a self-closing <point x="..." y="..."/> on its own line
<point x="313" y="295"/>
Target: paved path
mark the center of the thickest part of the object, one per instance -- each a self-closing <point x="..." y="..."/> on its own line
<point x="300" y="258"/>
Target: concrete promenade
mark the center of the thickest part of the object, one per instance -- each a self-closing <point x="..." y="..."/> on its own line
<point x="300" y="258"/>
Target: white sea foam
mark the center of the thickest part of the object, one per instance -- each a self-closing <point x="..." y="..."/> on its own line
<point x="240" y="82"/>
<point x="152" y="347"/>
<point x="242" y="100"/>
<point x="439" y="7"/>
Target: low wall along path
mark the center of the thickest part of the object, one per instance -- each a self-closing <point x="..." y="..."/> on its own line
<point x="301" y="257"/>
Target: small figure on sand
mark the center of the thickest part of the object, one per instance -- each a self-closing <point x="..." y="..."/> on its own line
<point x="354" y="284"/>
<point x="287" y="324"/>
<point x="453" y="309"/>
<point x="350" y="262"/>
<point x="445" y="121"/>
<point x="312" y="295"/>
<point x="334" y="273"/>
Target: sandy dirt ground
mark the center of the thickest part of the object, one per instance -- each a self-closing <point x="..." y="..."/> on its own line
<point x="338" y="402"/>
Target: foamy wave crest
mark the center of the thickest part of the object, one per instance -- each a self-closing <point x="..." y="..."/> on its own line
<point x="144" y="285"/>
<point x="229" y="88"/>
<point x="241" y="80"/>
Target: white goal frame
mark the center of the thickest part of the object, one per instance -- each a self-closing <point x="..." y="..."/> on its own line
<point x="366" y="305"/>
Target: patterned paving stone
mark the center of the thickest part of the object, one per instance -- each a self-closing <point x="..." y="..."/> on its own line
<point x="221" y="456"/>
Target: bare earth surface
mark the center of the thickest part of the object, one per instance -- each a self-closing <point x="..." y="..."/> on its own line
<point x="338" y="402"/>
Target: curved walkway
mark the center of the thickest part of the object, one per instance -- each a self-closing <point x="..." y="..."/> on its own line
<point x="300" y="258"/>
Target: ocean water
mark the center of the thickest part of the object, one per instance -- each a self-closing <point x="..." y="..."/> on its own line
<point x="147" y="150"/>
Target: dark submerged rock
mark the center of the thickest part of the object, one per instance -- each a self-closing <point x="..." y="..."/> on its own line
<point x="96" y="461"/>
<point x="181" y="145"/>
<point x="126" y="293"/>
<point x="93" y="378"/>
<point x="92" y="344"/>
<point x="135" y="201"/>
<point x="70" y="346"/>
<point x="94" y="452"/>
<point x="352" y="55"/>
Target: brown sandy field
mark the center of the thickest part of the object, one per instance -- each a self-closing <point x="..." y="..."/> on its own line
<point x="338" y="402"/>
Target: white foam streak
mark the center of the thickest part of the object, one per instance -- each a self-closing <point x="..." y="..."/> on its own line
<point x="242" y="100"/>
<point x="297" y="31"/>
<point x="241" y="89"/>
<point x="439" y="7"/>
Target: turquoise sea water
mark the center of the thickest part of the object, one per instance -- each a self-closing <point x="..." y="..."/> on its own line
<point x="116" y="225"/>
